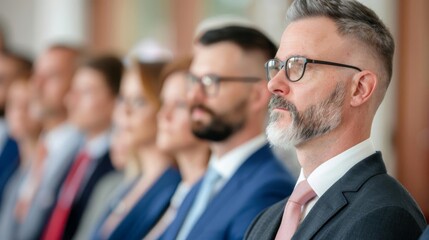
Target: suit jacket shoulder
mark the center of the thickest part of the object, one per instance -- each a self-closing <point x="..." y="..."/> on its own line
<point x="258" y="183"/>
<point x="365" y="203"/>
<point x="9" y="162"/>
<point x="101" y="167"/>
<point x="149" y="209"/>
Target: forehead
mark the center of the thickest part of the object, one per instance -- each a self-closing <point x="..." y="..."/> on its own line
<point x="175" y="85"/>
<point x="219" y="58"/>
<point x="54" y="59"/>
<point x="89" y="77"/>
<point x="311" y="37"/>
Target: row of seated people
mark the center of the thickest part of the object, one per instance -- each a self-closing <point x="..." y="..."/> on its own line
<point x="140" y="150"/>
<point x="187" y="157"/>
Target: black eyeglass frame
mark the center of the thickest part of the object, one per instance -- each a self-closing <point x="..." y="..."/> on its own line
<point x="192" y="79"/>
<point x="306" y="61"/>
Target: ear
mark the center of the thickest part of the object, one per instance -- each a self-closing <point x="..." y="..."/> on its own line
<point x="260" y="96"/>
<point x="363" y="87"/>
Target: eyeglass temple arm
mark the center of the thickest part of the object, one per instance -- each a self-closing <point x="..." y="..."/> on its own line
<point x="333" y="63"/>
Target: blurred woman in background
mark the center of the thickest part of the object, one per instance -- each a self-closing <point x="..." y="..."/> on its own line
<point x="23" y="126"/>
<point x="138" y="105"/>
<point x="25" y="129"/>
<point x="176" y="138"/>
<point x="108" y="186"/>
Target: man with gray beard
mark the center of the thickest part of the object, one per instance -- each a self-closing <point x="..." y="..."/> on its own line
<point x="329" y="76"/>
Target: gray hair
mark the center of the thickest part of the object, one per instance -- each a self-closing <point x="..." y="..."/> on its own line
<point x="352" y="19"/>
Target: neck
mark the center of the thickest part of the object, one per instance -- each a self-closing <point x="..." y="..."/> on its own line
<point x="53" y="122"/>
<point x="27" y="150"/>
<point x="248" y="132"/>
<point x="317" y="151"/>
<point x="152" y="160"/>
<point x="94" y="133"/>
<point x="193" y="163"/>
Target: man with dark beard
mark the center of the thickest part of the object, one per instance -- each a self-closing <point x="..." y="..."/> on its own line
<point x="325" y="108"/>
<point x="228" y="102"/>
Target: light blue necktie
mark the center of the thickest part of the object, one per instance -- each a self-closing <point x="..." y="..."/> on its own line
<point x="200" y="204"/>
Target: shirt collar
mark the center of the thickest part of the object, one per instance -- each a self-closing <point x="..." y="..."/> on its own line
<point x="55" y="139"/>
<point x="228" y="164"/>
<point x="3" y="133"/>
<point x="99" y="145"/>
<point x="324" y="176"/>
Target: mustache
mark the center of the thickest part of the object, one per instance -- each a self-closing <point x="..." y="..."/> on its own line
<point x="278" y="102"/>
<point x="201" y="107"/>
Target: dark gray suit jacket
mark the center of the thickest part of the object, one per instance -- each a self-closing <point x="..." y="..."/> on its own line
<point x="365" y="203"/>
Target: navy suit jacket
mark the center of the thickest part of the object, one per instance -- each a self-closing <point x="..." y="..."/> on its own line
<point x="9" y="162"/>
<point x="365" y="203"/>
<point x="92" y="176"/>
<point x="148" y="210"/>
<point x="259" y="182"/>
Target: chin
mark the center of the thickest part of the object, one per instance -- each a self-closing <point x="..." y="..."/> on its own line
<point x="279" y="136"/>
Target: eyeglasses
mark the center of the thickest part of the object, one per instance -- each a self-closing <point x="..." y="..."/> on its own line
<point x="210" y="82"/>
<point x="295" y="67"/>
<point x="131" y="103"/>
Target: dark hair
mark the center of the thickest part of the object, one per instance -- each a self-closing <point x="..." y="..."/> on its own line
<point x="23" y="65"/>
<point x="3" y="40"/>
<point x="245" y="37"/>
<point x="177" y="65"/>
<point x="352" y="19"/>
<point x="110" y="67"/>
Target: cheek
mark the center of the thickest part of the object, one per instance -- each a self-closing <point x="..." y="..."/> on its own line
<point x="2" y="96"/>
<point x="17" y="122"/>
<point x="97" y="104"/>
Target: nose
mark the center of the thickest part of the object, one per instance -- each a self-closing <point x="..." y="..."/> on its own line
<point x="37" y="81"/>
<point x="279" y="85"/>
<point x="164" y="113"/>
<point x="70" y="99"/>
<point x="195" y="93"/>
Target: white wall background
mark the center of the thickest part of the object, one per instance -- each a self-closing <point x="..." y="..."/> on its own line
<point x="34" y="24"/>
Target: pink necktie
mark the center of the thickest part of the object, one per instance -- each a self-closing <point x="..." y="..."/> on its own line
<point x="292" y="214"/>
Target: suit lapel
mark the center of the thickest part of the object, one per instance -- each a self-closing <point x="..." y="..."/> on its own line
<point x="334" y="199"/>
<point x="219" y="204"/>
<point x="149" y="208"/>
<point x="326" y="207"/>
<point x="275" y="220"/>
<point x="172" y="230"/>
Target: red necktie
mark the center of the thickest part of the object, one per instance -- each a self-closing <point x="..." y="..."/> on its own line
<point x="292" y="214"/>
<point x="58" y="220"/>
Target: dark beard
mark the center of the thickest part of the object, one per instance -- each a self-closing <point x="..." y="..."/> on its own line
<point x="219" y="128"/>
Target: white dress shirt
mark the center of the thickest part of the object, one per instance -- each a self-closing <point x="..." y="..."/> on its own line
<point x="328" y="173"/>
<point x="229" y="163"/>
<point x="3" y="134"/>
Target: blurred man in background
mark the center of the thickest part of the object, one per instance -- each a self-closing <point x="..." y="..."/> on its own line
<point x="53" y="73"/>
<point x="90" y="103"/>
<point x="228" y="105"/>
